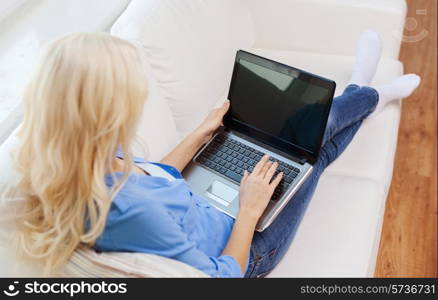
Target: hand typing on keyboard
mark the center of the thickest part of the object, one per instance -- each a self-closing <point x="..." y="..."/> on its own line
<point x="231" y="158"/>
<point x="256" y="188"/>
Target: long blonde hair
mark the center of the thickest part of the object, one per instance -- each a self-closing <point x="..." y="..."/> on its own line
<point x="82" y="103"/>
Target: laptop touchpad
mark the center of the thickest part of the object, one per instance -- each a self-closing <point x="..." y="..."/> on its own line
<point x="221" y="192"/>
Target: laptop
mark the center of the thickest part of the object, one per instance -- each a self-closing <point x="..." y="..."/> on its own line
<point x="275" y="109"/>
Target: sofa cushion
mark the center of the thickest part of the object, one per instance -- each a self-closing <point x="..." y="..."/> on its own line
<point x="340" y="231"/>
<point x="327" y="26"/>
<point x="156" y="133"/>
<point x="376" y="151"/>
<point x="191" y="47"/>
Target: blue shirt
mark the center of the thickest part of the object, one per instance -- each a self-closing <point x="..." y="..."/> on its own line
<point x="151" y="214"/>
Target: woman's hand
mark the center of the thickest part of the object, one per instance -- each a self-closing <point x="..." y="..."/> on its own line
<point x="212" y="121"/>
<point x="256" y="188"/>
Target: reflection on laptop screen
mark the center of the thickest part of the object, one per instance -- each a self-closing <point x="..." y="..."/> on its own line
<point x="280" y="105"/>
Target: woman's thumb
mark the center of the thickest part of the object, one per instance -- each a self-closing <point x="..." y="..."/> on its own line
<point x="226" y="105"/>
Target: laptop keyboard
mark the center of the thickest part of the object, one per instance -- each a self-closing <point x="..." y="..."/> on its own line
<point x="230" y="158"/>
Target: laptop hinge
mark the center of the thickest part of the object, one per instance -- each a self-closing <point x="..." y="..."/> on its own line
<point x="295" y="158"/>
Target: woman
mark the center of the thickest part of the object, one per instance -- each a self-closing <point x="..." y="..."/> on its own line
<point x="83" y="187"/>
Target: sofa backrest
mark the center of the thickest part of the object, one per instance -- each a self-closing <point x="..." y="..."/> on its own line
<point x="190" y="45"/>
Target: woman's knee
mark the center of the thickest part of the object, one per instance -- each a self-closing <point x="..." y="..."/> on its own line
<point x="327" y="154"/>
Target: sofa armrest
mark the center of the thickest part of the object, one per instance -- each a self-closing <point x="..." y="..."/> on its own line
<point x="326" y="26"/>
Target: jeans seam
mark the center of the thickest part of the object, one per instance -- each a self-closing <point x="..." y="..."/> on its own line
<point x="259" y="259"/>
<point x="256" y="262"/>
<point x="269" y="254"/>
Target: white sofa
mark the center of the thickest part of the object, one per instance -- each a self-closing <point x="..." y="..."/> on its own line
<point x="189" y="47"/>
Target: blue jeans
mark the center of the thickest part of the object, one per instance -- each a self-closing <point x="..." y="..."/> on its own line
<point x="346" y="115"/>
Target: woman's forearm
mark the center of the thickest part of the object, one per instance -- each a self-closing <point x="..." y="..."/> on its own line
<point x="240" y="239"/>
<point x="181" y="155"/>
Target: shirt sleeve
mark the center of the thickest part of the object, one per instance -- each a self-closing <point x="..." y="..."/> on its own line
<point x="154" y="230"/>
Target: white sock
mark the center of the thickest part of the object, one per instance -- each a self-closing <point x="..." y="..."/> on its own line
<point x="399" y="88"/>
<point x="369" y="50"/>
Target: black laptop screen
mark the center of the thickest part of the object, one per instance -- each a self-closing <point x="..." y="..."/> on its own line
<point x="283" y="104"/>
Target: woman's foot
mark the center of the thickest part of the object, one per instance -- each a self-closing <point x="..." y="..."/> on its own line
<point x="369" y="50"/>
<point x="399" y="88"/>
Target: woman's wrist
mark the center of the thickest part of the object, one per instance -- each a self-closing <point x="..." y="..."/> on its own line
<point x="248" y="217"/>
<point x="201" y="136"/>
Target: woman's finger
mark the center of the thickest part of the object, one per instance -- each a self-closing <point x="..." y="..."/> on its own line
<point x="258" y="167"/>
<point x="276" y="180"/>
<point x="245" y="176"/>
<point x="224" y="108"/>
<point x="226" y="104"/>
<point x="270" y="172"/>
<point x="265" y="168"/>
<point x="218" y="113"/>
